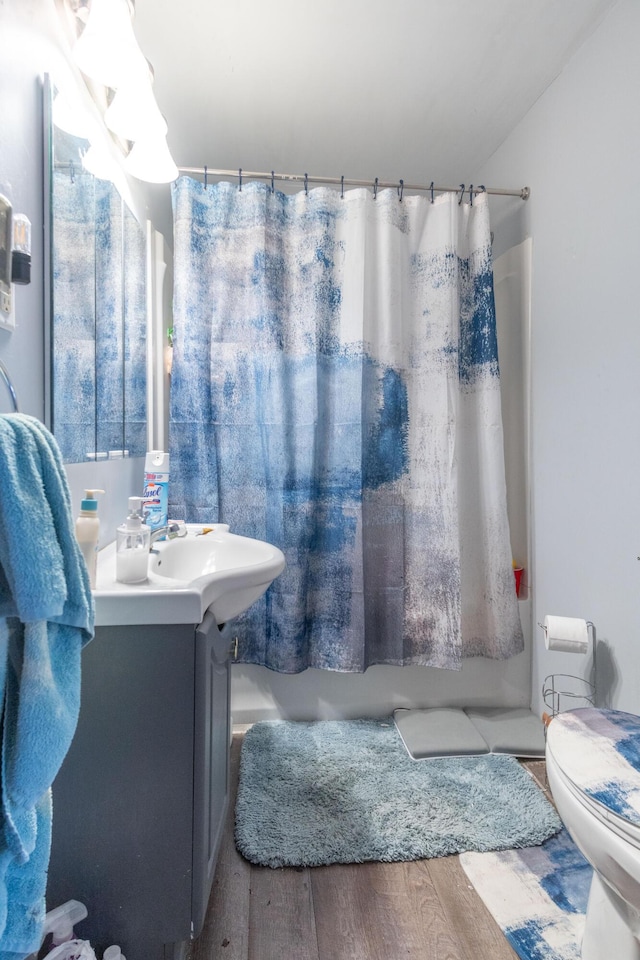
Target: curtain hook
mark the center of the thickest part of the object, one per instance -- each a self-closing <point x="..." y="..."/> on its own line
<point x="461" y="193"/>
<point x="481" y="188"/>
<point x="431" y="189"/>
<point x="375" y="189"/>
<point x="342" y="187"/>
<point x="470" y="194"/>
<point x="400" y="189"/>
<point x="240" y="179"/>
<point x="205" y="176"/>
<point x="306" y="184"/>
<point x="273" y="189"/>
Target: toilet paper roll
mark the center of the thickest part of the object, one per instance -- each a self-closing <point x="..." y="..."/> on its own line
<point x="569" y="634"/>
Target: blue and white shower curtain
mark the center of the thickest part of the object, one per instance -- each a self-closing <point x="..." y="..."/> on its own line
<point x="335" y="391"/>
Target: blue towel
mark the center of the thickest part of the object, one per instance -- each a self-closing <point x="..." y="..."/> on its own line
<point x="46" y="616"/>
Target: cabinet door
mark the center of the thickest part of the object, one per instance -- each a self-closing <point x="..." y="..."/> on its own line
<point x="211" y="758"/>
<point x="123" y="800"/>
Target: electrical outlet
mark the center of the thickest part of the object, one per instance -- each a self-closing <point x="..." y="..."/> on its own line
<point x="6" y="243"/>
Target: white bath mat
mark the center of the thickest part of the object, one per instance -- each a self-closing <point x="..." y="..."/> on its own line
<point x="439" y="732"/>
<point x="429" y="732"/>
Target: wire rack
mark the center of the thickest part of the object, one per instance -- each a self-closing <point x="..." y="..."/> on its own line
<point x="567" y="691"/>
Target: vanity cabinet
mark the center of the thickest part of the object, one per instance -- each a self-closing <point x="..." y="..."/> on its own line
<point x="140" y="801"/>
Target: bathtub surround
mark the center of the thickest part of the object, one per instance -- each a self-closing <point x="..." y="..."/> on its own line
<point x="335" y="391"/>
<point x="347" y="792"/>
<point x="537" y="896"/>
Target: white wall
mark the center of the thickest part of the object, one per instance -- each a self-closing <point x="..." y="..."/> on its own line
<point x="578" y="150"/>
<point x="25" y="50"/>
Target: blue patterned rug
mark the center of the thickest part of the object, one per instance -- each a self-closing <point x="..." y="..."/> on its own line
<point x="538" y="896"/>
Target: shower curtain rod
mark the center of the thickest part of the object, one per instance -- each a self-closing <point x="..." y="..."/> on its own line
<point x="376" y="184"/>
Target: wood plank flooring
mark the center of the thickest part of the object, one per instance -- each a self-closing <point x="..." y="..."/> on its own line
<point x="425" y="910"/>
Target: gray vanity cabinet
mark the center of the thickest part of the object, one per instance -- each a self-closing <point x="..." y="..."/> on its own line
<point x="141" y="797"/>
<point x="212" y="736"/>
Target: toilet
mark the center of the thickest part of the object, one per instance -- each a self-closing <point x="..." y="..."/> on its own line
<point x="593" y="768"/>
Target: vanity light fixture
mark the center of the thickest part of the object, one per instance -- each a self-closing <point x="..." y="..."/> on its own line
<point x="108" y="54"/>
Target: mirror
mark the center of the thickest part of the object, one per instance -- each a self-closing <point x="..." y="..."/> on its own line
<point x="98" y="309"/>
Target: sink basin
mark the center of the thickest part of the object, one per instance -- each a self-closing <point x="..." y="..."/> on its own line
<point x="190" y="557"/>
<point x="217" y="570"/>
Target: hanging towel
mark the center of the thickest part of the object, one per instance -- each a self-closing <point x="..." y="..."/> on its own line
<point x="46" y="616"/>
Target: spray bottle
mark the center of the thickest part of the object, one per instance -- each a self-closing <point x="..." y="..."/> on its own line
<point x="59" y="923"/>
<point x="156" y="489"/>
<point x="88" y="531"/>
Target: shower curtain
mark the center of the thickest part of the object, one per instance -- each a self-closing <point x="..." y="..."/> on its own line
<point x="335" y="391"/>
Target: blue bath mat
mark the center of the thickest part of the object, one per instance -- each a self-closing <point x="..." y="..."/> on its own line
<point x="538" y="896"/>
<point x="346" y="791"/>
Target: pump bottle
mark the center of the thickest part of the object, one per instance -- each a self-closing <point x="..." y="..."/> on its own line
<point x="88" y="531"/>
<point x="133" y="539"/>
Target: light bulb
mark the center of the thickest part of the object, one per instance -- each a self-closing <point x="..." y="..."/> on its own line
<point x="98" y="162"/>
<point x="150" y="160"/>
<point x="133" y="114"/>
<point x="107" y="44"/>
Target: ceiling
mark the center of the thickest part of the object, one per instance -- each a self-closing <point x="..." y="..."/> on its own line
<point x="419" y="89"/>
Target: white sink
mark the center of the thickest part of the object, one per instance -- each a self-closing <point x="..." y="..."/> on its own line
<point x="216" y="571"/>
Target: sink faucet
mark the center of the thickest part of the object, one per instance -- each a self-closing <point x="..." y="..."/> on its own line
<point x="175" y="528"/>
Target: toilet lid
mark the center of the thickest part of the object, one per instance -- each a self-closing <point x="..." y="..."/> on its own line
<point x="599" y="752"/>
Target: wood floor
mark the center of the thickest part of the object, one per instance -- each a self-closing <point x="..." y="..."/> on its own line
<point x="425" y="909"/>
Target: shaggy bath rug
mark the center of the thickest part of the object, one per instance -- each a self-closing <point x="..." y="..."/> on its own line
<point x="346" y="791"/>
<point x="537" y="896"/>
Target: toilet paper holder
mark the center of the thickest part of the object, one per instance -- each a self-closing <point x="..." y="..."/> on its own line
<point x="560" y="685"/>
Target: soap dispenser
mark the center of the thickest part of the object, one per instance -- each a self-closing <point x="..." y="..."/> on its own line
<point x="133" y="540"/>
<point x="87" y="532"/>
